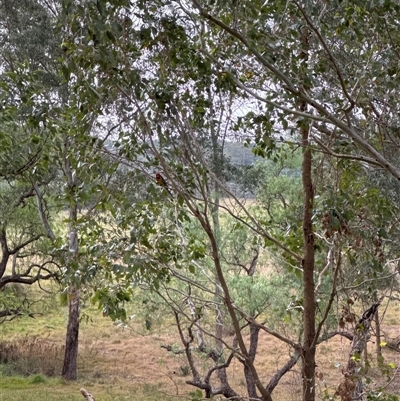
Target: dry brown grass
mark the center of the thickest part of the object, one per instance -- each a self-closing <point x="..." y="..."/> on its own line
<point x="128" y="356"/>
<point x="31" y="355"/>
<point x="113" y="358"/>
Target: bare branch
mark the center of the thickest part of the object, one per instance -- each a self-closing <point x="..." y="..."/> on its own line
<point x="353" y="287"/>
<point x="267" y="330"/>
<point x="281" y="372"/>
<point x="24" y="244"/>
<point x="330" y="152"/>
<point x="333" y="292"/>
<point x="186" y="344"/>
<point x="87" y="395"/>
<point x="330" y="56"/>
<point x="25" y="195"/>
<point x="332" y="334"/>
<point x="14" y="312"/>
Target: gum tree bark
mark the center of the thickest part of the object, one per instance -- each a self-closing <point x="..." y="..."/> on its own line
<point x="69" y="371"/>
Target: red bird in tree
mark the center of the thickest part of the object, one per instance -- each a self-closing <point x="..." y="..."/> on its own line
<point x="162" y="183"/>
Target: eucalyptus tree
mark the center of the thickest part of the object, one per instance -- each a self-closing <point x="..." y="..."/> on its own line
<point x="26" y="241"/>
<point x="50" y="153"/>
<point x="25" y="250"/>
<point x="319" y="68"/>
<point x="284" y="71"/>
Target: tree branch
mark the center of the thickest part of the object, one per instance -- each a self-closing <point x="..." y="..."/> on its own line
<point x="281" y="372"/>
<point x="330" y="55"/>
<point x="251" y="320"/>
<point x="344" y="156"/>
<point x="24" y="244"/>
<point x="302" y="95"/>
<point x="42" y="214"/>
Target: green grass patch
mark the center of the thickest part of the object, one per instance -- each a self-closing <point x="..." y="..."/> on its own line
<point x="34" y="389"/>
<point x="38" y="379"/>
<point x="13" y="383"/>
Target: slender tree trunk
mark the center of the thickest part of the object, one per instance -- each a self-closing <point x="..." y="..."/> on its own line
<point x="70" y="366"/>
<point x="378" y="339"/>
<point x="203" y="219"/>
<point x="219" y="318"/>
<point x="308" y="371"/>
<point x="69" y="371"/>
<point x="250" y="383"/>
<point x="308" y="368"/>
<point x="216" y="164"/>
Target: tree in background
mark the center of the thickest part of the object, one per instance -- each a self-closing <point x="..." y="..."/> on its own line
<point x="27" y="255"/>
<point x="49" y="154"/>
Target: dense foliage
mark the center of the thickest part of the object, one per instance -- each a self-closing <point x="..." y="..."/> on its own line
<point x="118" y="114"/>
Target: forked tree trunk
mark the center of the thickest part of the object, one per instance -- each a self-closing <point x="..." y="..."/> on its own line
<point x="351" y="386"/>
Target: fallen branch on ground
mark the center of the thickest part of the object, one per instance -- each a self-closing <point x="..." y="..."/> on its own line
<point x="87" y="395"/>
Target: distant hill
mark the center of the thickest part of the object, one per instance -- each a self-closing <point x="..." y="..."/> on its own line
<point x="238" y="154"/>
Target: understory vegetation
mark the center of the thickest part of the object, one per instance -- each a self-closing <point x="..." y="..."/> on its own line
<point x="129" y="360"/>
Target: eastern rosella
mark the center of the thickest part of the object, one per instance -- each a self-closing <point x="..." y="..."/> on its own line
<point x="160" y="181"/>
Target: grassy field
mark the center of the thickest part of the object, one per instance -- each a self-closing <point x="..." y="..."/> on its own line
<point x="21" y="389"/>
<point x="126" y="363"/>
<point x="115" y="362"/>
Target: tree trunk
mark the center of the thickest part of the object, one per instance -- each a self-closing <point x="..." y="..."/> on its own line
<point x="250" y="383"/>
<point x="351" y="387"/>
<point x="308" y="357"/>
<point x="379" y="358"/>
<point x="308" y="370"/>
<point x="69" y="371"/>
